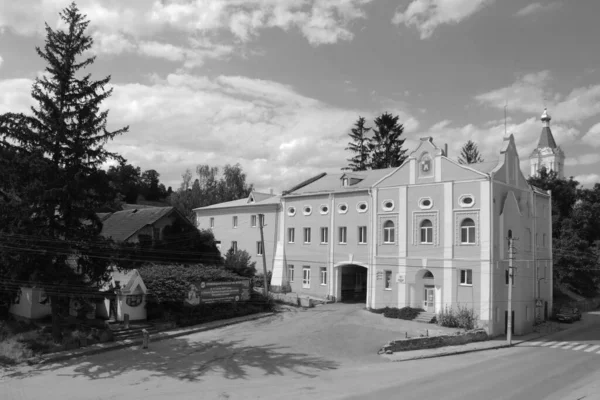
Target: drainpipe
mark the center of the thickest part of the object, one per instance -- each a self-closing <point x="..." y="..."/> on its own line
<point x="370" y="279"/>
<point x="491" y="280"/>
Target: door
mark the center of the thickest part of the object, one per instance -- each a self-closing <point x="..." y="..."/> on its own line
<point x="429" y="301"/>
<point x="306" y="278"/>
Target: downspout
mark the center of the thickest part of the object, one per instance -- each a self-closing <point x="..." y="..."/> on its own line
<point x="332" y="272"/>
<point x="370" y="254"/>
<point x="534" y="245"/>
<point x="551" y="282"/>
<point x="492" y="242"/>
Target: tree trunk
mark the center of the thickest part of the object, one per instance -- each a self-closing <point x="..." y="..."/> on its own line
<point x="56" y="333"/>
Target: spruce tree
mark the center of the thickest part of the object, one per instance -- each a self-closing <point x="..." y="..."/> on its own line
<point x="68" y="131"/>
<point x="386" y="145"/>
<point x="359" y="146"/>
<point x="469" y="154"/>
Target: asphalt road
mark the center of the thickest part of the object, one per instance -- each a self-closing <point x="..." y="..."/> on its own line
<point x="270" y="360"/>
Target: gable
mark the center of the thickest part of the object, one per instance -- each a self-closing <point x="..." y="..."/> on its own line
<point x="510" y="206"/>
<point x="452" y="171"/>
<point x="399" y="177"/>
<point x="508" y="169"/>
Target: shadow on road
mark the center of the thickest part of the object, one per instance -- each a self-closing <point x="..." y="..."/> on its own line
<point x="179" y="359"/>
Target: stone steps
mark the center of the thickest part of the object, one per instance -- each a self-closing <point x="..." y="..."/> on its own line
<point x="425" y="317"/>
<point x="133" y="332"/>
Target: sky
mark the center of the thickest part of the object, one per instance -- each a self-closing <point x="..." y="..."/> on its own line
<point x="276" y="85"/>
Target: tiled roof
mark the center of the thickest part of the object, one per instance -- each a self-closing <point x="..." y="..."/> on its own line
<point x="332" y="182"/>
<point x="242" y="202"/>
<point x="486" y="167"/>
<point x="122" y="224"/>
<point x="546" y="139"/>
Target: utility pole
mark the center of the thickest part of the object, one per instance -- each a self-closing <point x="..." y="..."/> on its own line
<point x="510" y="285"/>
<point x="261" y="218"/>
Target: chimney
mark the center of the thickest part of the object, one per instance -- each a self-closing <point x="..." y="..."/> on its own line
<point x="271" y="190"/>
<point x="446" y="149"/>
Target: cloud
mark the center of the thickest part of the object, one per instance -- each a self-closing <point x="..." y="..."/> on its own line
<point x="536" y="8"/>
<point x="1" y="61"/>
<point x="427" y="15"/>
<point x="180" y="120"/>
<point x="587" y="179"/>
<point x="585" y="159"/>
<point x="592" y="137"/>
<point x="119" y="26"/>
<point x="527" y="95"/>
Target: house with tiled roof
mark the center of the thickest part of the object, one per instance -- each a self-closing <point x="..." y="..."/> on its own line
<point x="136" y="224"/>
<point x="235" y="225"/>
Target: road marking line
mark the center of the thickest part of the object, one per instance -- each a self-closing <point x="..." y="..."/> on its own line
<point x="592" y="348"/>
<point x="558" y="345"/>
<point x="533" y="343"/>
<point x="569" y="346"/>
<point x="548" y="344"/>
<point x="581" y="347"/>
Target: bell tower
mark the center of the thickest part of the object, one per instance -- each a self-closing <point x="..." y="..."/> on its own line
<point x="547" y="153"/>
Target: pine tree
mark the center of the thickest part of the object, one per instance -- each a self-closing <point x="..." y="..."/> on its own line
<point x="469" y="154"/>
<point x="359" y="146"/>
<point x="68" y="131"/>
<point x="386" y="145"/>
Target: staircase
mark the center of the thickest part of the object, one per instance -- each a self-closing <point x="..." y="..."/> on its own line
<point x="425" y="317"/>
<point x="134" y="332"/>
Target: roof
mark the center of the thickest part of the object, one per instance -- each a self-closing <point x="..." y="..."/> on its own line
<point x="121" y="225"/>
<point x="126" y="279"/>
<point x="272" y="199"/>
<point x="486" y="167"/>
<point x="331" y="182"/>
<point x="546" y="139"/>
<point x="258" y="196"/>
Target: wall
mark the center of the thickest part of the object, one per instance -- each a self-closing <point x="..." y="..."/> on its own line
<point x="435" y="341"/>
<point x="245" y="234"/>
<point x="29" y="305"/>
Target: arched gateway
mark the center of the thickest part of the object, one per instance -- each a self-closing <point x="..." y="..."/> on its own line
<point x="351" y="282"/>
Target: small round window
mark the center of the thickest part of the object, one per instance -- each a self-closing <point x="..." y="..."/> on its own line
<point x="388" y="205"/>
<point x="291" y="211"/>
<point x="343" y="208"/>
<point x="324" y="209"/>
<point x="425" y="203"/>
<point x="466" y="201"/>
<point x="361" y="207"/>
<point x="307" y="210"/>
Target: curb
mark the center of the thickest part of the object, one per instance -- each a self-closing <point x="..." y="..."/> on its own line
<point x="500" y="346"/>
<point x="92" y="350"/>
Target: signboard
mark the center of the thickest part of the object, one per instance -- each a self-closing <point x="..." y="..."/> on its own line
<point x="538" y="303"/>
<point x="217" y="292"/>
<point x="400" y="278"/>
<point x="379" y="275"/>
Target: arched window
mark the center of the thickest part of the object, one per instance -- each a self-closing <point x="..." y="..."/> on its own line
<point x="388" y="232"/>
<point x="467" y="231"/>
<point x="427" y="275"/>
<point x="426" y="232"/>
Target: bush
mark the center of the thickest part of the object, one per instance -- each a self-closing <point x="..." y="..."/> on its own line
<point x="258" y="280"/>
<point x="462" y="317"/>
<point x="239" y="262"/>
<point x="407" y="313"/>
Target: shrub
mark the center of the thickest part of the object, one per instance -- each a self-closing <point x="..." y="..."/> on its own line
<point x="239" y="262"/>
<point x="462" y="317"/>
<point x="13" y="351"/>
<point x="407" y="313"/>
<point x="258" y="280"/>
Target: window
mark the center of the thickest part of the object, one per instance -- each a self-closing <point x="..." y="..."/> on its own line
<point x="323" y="275"/>
<point x="388" y="232"/>
<point x="306" y="277"/>
<point x="342" y="208"/>
<point x="253" y="221"/>
<point x="291" y="235"/>
<point x="466" y="277"/>
<point x="134" y="300"/>
<point x="425" y="203"/>
<point x="234" y="246"/>
<point x="307" y="210"/>
<point x="261" y="219"/>
<point x="362" y="234"/>
<point x="291" y="211"/>
<point x="345" y="182"/>
<point x="342" y="234"/>
<point x="235" y="221"/>
<point x="259" y="249"/>
<point x="426" y="232"/>
<point x="212" y="222"/>
<point x="466" y="200"/>
<point x="388" y="280"/>
<point x="156" y="233"/>
<point x="324" y="209"/>
<point x="291" y="273"/>
<point x="388" y="205"/>
<point x="362" y="207"/>
<point x="467" y="231"/>
<point x="544" y="240"/>
<point x="324" y="235"/>
<point x="306" y="235"/>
